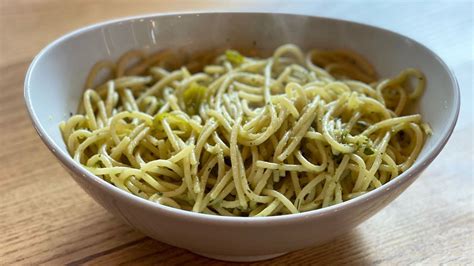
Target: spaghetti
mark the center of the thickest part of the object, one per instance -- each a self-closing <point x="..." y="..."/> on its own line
<point x="242" y="136"/>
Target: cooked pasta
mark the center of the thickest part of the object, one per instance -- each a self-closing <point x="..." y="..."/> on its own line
<point x="243" y="136"/>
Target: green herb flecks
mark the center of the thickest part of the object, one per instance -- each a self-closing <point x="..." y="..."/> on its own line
<point x="234" y="57"/>
<point x="193" y="97"/>
<point x="175" y="121"/>
<point x="369" y="151"/>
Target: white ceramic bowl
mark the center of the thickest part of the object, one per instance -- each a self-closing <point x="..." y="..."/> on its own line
<point x="53" y="88"/>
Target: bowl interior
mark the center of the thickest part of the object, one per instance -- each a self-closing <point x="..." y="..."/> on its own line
<point x="55" y="80"/>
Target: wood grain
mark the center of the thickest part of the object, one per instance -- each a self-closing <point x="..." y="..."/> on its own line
<point x="45" y="218"/>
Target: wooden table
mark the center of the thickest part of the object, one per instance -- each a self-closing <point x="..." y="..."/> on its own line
<point x="46" y="218"/>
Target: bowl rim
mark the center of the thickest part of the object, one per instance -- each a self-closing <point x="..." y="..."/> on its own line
<point x="67" y="160"/>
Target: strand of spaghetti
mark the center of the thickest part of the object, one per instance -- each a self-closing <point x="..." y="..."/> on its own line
<point x="349" y="71"/>
<point x="416" y="150"/>
<point x="392" y="166"/>
<point x="314" y="168"/>
<point x="110" y="101"/>
<point x="96" y="136"/>
<point x="165" y="164"/>
<point x="263" y="181"/>
<point x="315" y="136"/>
<point x="220" y="119"/>
<point x="378" y="159"/>
<point x="118" y="150"/>
<point x="73" y="140"/>
<point x="94" y="123"/>
<point x="391" y="122"/>
<point x="402" y="77"/>
<point x="113" y="177"/>
<point x="401" y="102"/>
<point x="373" y="105"/>
<point x="291" y="49"/>
<point x="217" y="189"/>
<point x="89" y="84"/>
<point x="282" y="166"/>
<point x="362" y="169"/>
<point x="276" y="121"/>
<point x="114" y="122"/>
<point x="200" y="195"/>
<point x="287" y="192"/>
<point x="167" y="202"/>
<point x="341" y="147"/>
<point x="300" y="128"/>
<point x="287" y="104"/>
<point x="104" y="153"/>
<point x="161" y="84"/>
<point x="330" y="185"/>
<point x="123" y="61"/>
<point x="254" y="170"/>
<point x="235" y="163"/>
<point x="259" y="119"/>
<point x="185" y="152"/>
<point x="224" y="193"/>
<point x="272" y="206"/>
<point x="245" y="185"/>
<point x="282" y="199"/>
<point x="137" y="139"/>
<point x="207" y="131"/>
<point x="309" y="187"/>
<point x="268" y="209"/>
<point x="179" y="191"/>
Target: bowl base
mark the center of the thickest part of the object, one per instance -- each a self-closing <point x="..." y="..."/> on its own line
<point x="239" y="258"/>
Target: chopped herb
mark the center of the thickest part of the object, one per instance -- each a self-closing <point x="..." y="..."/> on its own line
<point x="368" y="151"/>
<point x="344" y="135"/>
<point x="193" y="97"/>
<point x="160" y="103"/>
<point x="234" y="57"/>
<point x="172" y="120"/>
